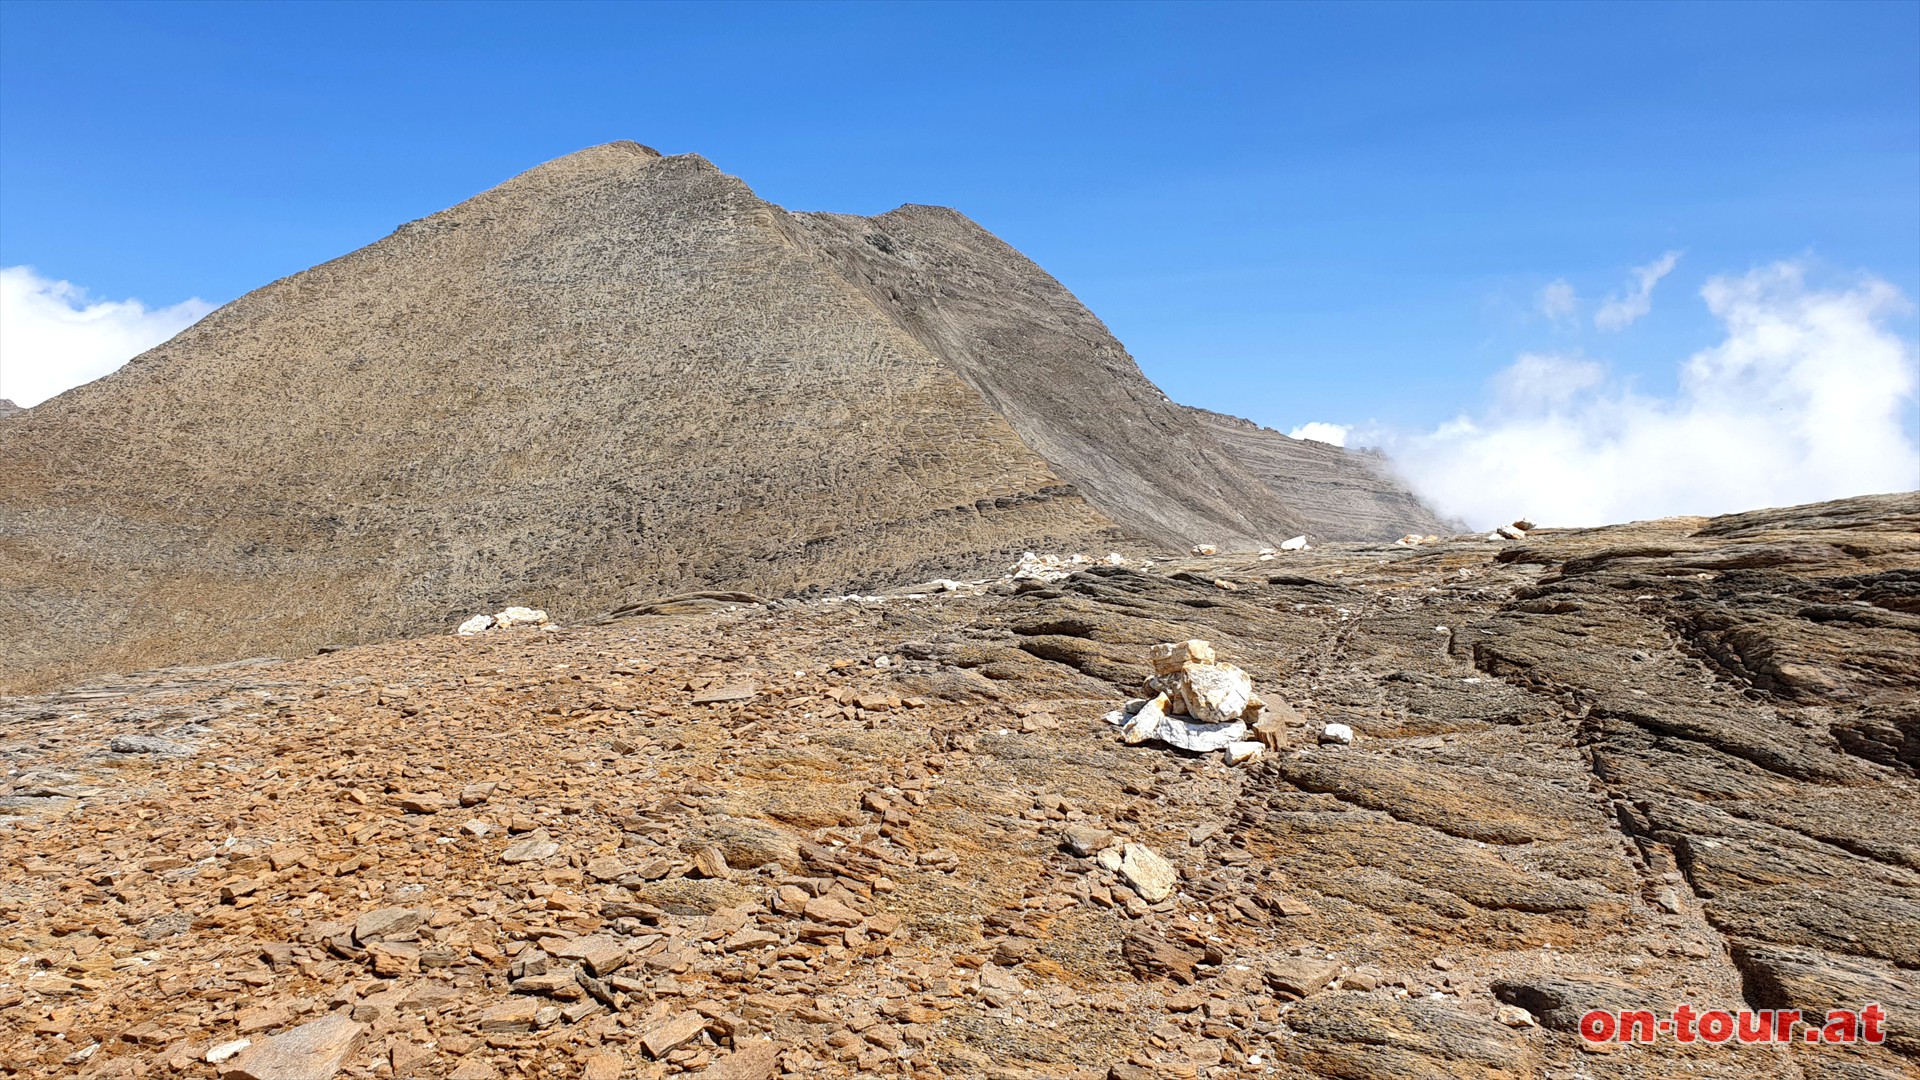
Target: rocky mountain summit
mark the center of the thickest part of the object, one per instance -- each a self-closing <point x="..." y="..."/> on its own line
<point x="616" y="377"/>
<point x="1499" y="783"/>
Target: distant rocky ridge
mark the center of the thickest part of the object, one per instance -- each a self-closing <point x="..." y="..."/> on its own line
<point x="614" y="377"/>
<point x="1340" y="494"/>
<point x="8" y="408"/>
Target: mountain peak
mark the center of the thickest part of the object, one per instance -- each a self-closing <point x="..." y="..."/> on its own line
<point x="616" y="376"/>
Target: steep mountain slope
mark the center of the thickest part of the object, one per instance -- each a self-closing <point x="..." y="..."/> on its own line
<point x="1339" y="494"/>
<point x="615" y="376"/>
<point x="1048" y="365"/>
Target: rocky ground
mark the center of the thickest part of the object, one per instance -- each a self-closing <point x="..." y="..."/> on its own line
<point x="1625" y="767"/>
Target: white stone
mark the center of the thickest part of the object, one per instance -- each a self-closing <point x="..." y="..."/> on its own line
<point x="1145" y="724"/>
<point x="1200" y="738"/>
<point x="1147" y="873"/>
<point x="1298" y="543"/>
<point x="1239" y="753"/>
<point x="1511" y="533"/>
<point x="519" y="616"/>
<point x="220" y="1053"/>
<point x="1337" y="733"/>
<point x="1205" y="549"/>
<point x="1108" y="858"/>
<point x="1213" y="693"/>
<point x="1044" y="568"/>
<point x="1114" y="558"/>
<point x="477" y="624"/>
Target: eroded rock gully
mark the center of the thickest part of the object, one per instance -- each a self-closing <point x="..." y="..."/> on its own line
<point x="1618" y="768"/>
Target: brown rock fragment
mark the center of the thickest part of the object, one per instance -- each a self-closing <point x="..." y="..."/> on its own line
<point x="1297" y="978"/>
<point x="756" y="1059"/>
<point x="514" y="1014"/>
<point x="600" y="953"/>
<point x="603" y="1065"/>
<point x="673" y="1033"/>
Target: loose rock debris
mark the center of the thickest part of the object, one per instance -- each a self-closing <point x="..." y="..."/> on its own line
<point x="942" y="868"/>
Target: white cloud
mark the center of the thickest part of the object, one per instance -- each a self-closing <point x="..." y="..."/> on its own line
<point x="54" y="337"/>
<point x="1319" y="431"/>
<point x="1805" y="399"/>
<point x="1622" y="311"/>
<point x="1538" y="380"/>
<point x="1557" y="301"/>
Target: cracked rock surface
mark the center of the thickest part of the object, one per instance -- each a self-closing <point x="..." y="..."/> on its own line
<point x="1615" y="768"/>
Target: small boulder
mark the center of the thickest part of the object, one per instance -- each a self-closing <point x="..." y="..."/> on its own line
<point x="1212" y="693"/>
<point x="1239" y="753"/>
<point x="1085" y="840"/>
<point x="1170" y="657"/>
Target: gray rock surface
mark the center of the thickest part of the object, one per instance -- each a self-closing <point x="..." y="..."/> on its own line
<point x="1337" y="494"/>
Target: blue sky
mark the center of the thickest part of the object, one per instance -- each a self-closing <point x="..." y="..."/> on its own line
<point x="1293" y="212"/>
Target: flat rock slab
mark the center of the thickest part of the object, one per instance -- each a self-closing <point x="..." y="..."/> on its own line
<point x="312" y="1051"/>
<point x="601" y="954"/>
<point x="672" y="1034"/>
<point x="1150" y="875"/>
<point x="386" y="922"/>
<point x="535" y="847"/>
<point x="147" y="744"/>
<point x="1364" y="1037"/>
<point x="735" y="691"/>
<point x="513" y="1014"/>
